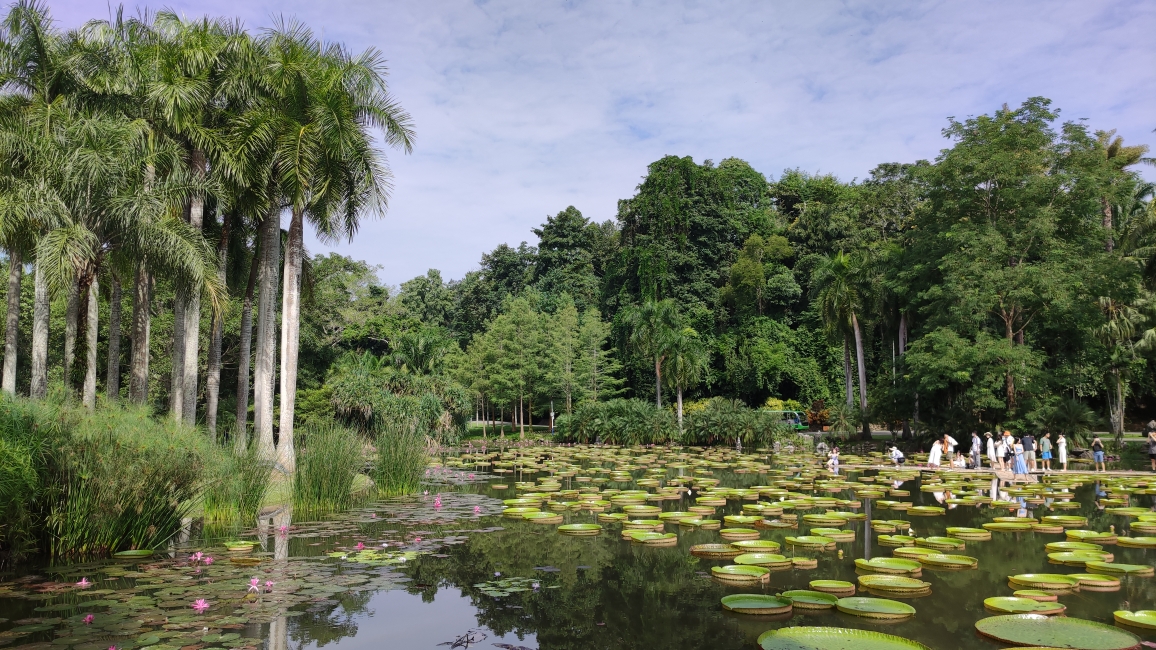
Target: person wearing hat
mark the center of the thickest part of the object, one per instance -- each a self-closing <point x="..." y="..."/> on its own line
<point x="990" y="449"/>
<point x="975" y="454"/>
<point x="896" y="456"/>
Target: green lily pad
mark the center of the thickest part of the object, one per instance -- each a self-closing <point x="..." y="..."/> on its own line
<point x="874" y="607"/>
<point x="1137" y="542"/>
<point x="888" y="565"/>
<point x="740" y="573"/>
<point x="757" y="545"/>
<point x="1056" y="632"/>
<point x="762" y="559"/>
<point x="1016" y="605"/>
<point x="1045" y="581"/>
<point x="1145" y="618"/>
<point x="969" y="534"/>
<point x="807" y="599"/>
<point x="832" y="586"/>
<point x="133" y="554"/>
<point x="833" y="638"/>
<point x="942" y="543"/>
<point x="1058" y="547"/>
<point x="926" y="511"/>
<point x="884" y="582"/>
<point x="757" y="604"/>
<point x="579" y="529"/>
<point x="1113" y="567"/>
<point x="810" y="541"/>
<point x="1007" y="526"/>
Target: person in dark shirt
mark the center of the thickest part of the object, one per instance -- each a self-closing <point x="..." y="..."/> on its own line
<point x="1098" y="454"/>
<point x="1029" y="443"/>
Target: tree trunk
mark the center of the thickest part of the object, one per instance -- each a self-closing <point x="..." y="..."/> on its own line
<point x="266" y="357"/>
<point x="138" y="383"/>
<point x="902" y="351"/>
<point x="290" y="337"/>
<point x="848" y="384"/>
<point x="521" y="417"/>
<point x="680" y="410"/>
<point x="1106" y="208"/>
<point x="40" y="317"/>
<point x="658" y="383"/>
<point x="213" y="378"/>
<point x="246" y="356"/>
<point x="177" y="374"/>
<point x="12" y="322"/>
<point x="112" y="379"/>
<point x="860" y="361"/>
<point x="92" y="327"/>
<point x="72" y="312"/>
<point x="192" y="329"/>
<point x="1009" y="379"/>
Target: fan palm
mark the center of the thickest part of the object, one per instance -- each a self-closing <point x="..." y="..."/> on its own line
<point x="837" y="288"/>
<point x="654" y="326"/>
<point x="686" y="364"/>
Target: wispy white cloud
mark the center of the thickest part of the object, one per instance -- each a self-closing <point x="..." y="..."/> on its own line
<point x="525" y="107"/>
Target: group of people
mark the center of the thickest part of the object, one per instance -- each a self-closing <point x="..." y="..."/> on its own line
<point x="1018" y="455"/>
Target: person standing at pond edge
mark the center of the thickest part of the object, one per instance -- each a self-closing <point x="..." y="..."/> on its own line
<point x="1062" y="449"/>
<point x="1029" y="443"/>
<point x="976" y="451"/>
<point x="991" y="458"/>
<point x="1046" y="452"/>
<point x="1019" y="467"/>
<point x="1152" y="447"/>
<point x="1098" y="454"/>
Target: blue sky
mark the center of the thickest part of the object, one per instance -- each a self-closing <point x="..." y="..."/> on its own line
<point x="523" y="107"/>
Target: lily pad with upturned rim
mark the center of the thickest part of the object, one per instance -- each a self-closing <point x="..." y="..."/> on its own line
<point x="756" y="604"/>
<point x="1056" y="632"/>
<point x="756" y="545"/>
<point x="807" y="599"/>
<point x="833" y="638"/>
<point x="874" y="607"/>
<point x="888" y="565"/>
<point x="838" y="587"/>
<point x="1051" y="581"/>
<point x="1017" y="605"/>
<point x="740" y="573"/>
<point x="770" y="560"/>
<point x="723" y="551"/>
<point x="1145" y="618"/>
<point x="1113" y="567"/>
<point x="134" y="554"/>
<point x="579" y="529"/>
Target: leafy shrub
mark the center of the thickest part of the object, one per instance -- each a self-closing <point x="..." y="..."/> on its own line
<point x="619" y="422"/>
<point x="722" y="421"/>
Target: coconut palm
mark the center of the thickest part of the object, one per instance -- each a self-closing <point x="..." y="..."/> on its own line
<point x="1119" y="158"/>
<point x="837" y="286"/>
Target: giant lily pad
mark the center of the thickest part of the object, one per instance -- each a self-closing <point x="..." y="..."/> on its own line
<point x="941" y="543"/>
<point x="1113" y="567"/>
<point x="756" y="545"/>
<point x="901" y="584"/>
<point x="969" y="534"/>
<point x="1016" y="605"/>
<point x="720" y="551"/>
<point x="888" y="565"/>
<point x="811" y="541"/>
<point x="579" y="529"/>
<point x="837" y="587"/>
<point x="134" y="554"/>
<point x="738" y="533"/>
<point x="874" y="607"/>
<point x="1007" y="527"/>
<point x="1144" y="618"/>
<point x="807" y="599"/>
<point x="1137" y="542"/>
<point x="1078" y="558"/>
<point x="1051" y="581"/>
<point x="940" y="560"/>
<point x="925" y="511"/>
<point x="1096" y="581"/>
<point x="740" y="574"/>
<point x="896" y="540"/>
<point x="757" y="604"/>
<point x="1058" y="547"/>
<point x="769" y="560"/>
<point x="833" y="638"/>
<point x="1056" y="632"/>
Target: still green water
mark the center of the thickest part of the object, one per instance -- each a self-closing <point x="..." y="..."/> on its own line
<point x="460" y="575"/>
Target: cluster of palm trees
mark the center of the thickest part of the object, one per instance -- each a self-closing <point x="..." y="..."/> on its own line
<point x="660" y="334"/>
<point x="125" y="140"/>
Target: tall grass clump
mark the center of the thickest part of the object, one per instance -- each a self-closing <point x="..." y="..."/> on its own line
<point x="236" y="486"/>
<point x="128" y="481"/>
<point x="30" y="433"/>
<point x="329" y="458"/>
<point x="400" y="457"/>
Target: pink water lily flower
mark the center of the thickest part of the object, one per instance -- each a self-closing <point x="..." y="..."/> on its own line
<point x="208" y="560"/>
<point x="417" y="539"/>
<point x="255" y="585"/>
<point x="200" y="605"/>
<point x="196" y="557"/>
<point x="84" y="583"/>
<point x="88" y="619"/>
<point x="477" y="510"/>
<point x="360" y="546"/>
<point x="268" y="586"/>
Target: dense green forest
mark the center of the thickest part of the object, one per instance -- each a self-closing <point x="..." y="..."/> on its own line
<point x="149" y="162"/>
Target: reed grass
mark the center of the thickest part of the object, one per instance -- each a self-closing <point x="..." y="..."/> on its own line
<point x="400" y="457"/>
<point x="236" y="486"/>
<point x="329" y="458"/>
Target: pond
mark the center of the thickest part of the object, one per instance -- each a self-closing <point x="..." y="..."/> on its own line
<point x="448" y="569"/>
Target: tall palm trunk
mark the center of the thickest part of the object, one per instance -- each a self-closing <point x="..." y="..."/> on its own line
<point x="71" y="313"/>
<point x="138" y="383"/>
<point x="847" y="382"/>
<point x="902" y="351"/>
<point x="290" y="337"/>
<point x="92" y="329"/>
<point x="213" y="378"/>
<point x="112" y="379"/>
<point x="12" y="322"/>
<point x="862" y="377"/>
<point x="177" y="372"/>
<point x="658" y="383"/>
<point x="41" y="308"/>
<point x="680" y="410"/>
<point x="270" y="233"/>
<point x="192" y="329"/>
<point x="1106" y="209"/>
<point x="246" y="354"/>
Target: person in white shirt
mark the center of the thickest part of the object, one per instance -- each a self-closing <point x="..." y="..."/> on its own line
<point x="1001" y="450"/>
<point x="897" y="456"/>
<point x="951" y="444"/>
<point x="990" y="449"/>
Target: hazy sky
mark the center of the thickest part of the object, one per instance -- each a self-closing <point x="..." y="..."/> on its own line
<point x="523" y="107"/>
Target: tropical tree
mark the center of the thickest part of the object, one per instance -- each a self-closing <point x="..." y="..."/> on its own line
<point x="653" y="327"/>
<point x="686" y="364"/>
<point x="838" y="289"/>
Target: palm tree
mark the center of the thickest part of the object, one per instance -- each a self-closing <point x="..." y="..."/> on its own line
<point x="1119" y="158"/>
<point x="654" y="327"/>
<point x="1117" y="334"/>
<point x="33" y="66"/>
<point x="686" y="363"/>
<point x="311" y="133"/>
<point x="836" y="284"/>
